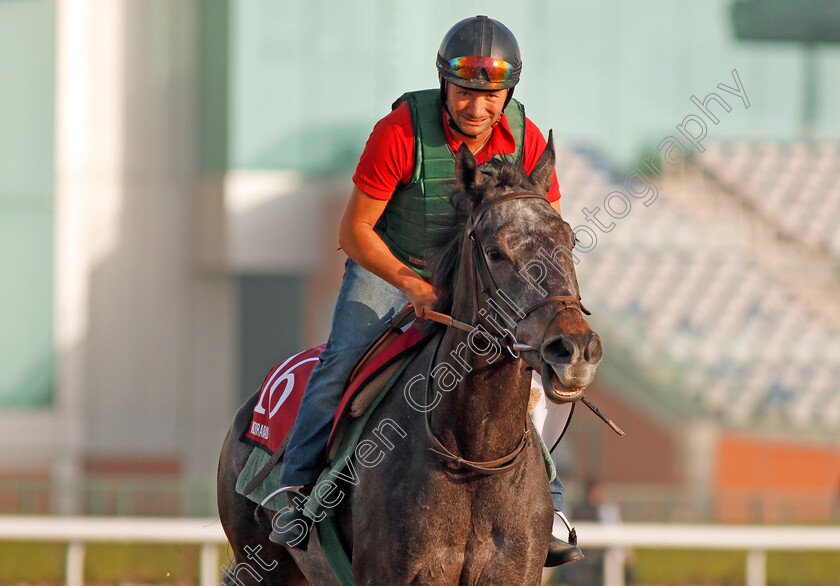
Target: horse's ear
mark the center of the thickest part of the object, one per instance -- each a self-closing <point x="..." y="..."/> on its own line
<point x="467" y="175"/>
<point x="544" y="169"/>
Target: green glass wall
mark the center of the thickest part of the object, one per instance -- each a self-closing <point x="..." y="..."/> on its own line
<point x="27" y="47"/>
<point x="309" y="79"/>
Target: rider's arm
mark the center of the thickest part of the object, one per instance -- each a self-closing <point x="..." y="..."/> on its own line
<point x="359" y="241"/>
<point x="556" y="205"/>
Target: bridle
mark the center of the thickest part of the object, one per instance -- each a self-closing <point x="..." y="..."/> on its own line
<point x="488" y="285"/>
<point x="489" y="288"/>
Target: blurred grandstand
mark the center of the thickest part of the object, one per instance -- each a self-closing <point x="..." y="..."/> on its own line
<point x="683" y="284"/>
<point x="724" y="294"/>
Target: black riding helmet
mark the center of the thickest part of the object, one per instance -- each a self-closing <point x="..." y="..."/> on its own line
<point x="480" y="36"/>
<point x="479" y="53"/>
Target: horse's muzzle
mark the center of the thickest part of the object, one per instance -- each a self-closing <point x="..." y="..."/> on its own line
<point x="569" y="362"/>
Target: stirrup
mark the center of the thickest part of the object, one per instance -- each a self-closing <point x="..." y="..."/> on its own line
<point x="291" y="527"/>
<point x="572" y="532"/>
<point x="560" y="552"/>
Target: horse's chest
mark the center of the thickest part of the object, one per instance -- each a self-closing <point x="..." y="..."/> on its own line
<point x="465" y="547"/>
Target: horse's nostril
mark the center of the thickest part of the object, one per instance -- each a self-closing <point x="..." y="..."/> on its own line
<point x="592" y="352"/>
<point x="559" y="350"/>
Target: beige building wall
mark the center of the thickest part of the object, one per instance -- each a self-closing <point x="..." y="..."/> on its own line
<point x="145" y="334"/>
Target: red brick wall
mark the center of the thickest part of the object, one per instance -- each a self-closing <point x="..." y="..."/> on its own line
<point x="767" y="480"/>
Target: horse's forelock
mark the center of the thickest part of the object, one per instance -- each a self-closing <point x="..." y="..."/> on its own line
<point x="501" y="177"/>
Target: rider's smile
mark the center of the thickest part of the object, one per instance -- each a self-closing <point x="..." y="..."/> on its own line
<point x="475" y="111"/>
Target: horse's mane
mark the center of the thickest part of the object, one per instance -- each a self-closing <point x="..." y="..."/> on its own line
<point x="444" y="246"/>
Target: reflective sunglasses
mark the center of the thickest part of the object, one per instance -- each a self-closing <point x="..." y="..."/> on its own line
<point x="497" y="70"/>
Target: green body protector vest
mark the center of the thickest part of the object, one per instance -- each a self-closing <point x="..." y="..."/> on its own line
<point x="422" y="207"/>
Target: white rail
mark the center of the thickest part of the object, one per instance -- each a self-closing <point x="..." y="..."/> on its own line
<point x="78" y="531"/>
<point x="755" y="540"/>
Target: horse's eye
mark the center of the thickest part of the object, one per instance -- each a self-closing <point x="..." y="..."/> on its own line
<point x="494" y="254"/>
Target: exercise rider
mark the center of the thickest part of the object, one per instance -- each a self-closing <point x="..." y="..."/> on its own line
<point x="394" y="205"/>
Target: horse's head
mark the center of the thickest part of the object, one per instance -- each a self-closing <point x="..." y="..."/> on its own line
<point x="516" y="272"/>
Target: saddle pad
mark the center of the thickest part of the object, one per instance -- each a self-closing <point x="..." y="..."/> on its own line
<point x="280" y="397"/>
<point x="282" y="391"/>
<point x="259" y="458"/>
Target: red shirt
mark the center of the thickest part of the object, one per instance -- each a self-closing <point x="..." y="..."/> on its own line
<point x="388" y="159"/>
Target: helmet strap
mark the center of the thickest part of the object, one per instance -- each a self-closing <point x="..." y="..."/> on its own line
<point x="508" y="99"/>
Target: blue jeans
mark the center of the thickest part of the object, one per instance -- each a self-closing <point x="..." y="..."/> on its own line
<point x="365" y="306"/>
<point x="558" y="493"/>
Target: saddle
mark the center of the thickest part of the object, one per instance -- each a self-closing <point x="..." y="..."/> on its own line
<point x="374" y="369"/>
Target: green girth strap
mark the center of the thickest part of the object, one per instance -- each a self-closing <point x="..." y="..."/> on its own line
<point x="422" y="207"/>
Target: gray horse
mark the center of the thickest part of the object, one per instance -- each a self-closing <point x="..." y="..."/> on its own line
<point x="455" y="489"/>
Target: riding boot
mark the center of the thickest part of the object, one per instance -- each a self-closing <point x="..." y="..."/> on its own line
<point x="292" y="527"/>
<point x="561" y="552"/>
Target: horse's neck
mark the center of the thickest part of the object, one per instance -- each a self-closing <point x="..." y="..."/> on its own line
<point x="484" y="416"/>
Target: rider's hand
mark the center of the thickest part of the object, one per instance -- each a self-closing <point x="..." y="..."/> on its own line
<point x="421" y="295"/>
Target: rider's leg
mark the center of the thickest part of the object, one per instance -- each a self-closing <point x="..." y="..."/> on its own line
<point x="550" y="422"/>
<point x="365" y="306"/>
